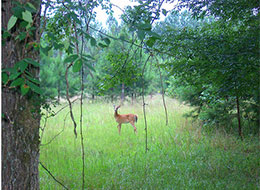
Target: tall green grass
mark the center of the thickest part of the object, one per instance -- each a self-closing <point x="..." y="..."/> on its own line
<point x="180" y="155"/>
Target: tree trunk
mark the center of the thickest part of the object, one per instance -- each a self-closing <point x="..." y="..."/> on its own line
<point x="238" y="119"/>
<point x="112" y="98"/>
<point x="59" y="91"/>
<point x="93" y="93"/>
<point x="20" y="115"/>
<point x="123" y="93"/>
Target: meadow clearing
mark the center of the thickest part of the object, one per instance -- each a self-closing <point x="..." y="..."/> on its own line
<point x="181" y="155"/>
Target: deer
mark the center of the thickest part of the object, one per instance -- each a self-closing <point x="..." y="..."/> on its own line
<point x="125" y="118"/>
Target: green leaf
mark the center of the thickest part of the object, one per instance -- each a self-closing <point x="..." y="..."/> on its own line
<point x="21" y="36"/>
<point x="89" y="66"/>
<point x="66" y="43"/>
<point x="11" y="22"/>
<point x="88" y="56"/>
<point x="14" y="75"/>
<point x="31" y="5"/>
<point x="102" y="45"/>
<point x="31" y="61"/>
<point x="27" y="16"/>
<point x="23" y="24"/>
<point x="4" y="78"/>
<point x="24" y="89"/>
<point x="146" y="26"/>
<point x="164" y="12"/>
<point x="150" y="42"/>
<point x="122" y="37"/>
<point x="34" y="80"/>
<point x="93" y="41"/>
<point x="70" y="49"/>
<point x="17" y="82"/>
<point x="75" y="17"/>
<point x="106" y="40"/>
<point x="28" y="73"/>
<point x="46" y="50"/>
<point x="22" y="65"/>
<point x="6" y="35"/>
<point x="58" y="46"/>
<point x="17" y="11"/>
<point x="12" y="70"/>
<point x="87" y="35"/>
<point x="34" y="87"/>
<point x="77" y="66"/>
<point x="71" y="58"/>
<point x="153" y="34"/>
<point x="140" y="34"/>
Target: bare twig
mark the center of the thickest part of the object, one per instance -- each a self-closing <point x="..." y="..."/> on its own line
<point x="127" y="41"/>
<point x="81" y="132"/>
<point x="44" y="126"/>
<point x="81" y="104"/>
<point x="53" y="115"/>
<point x="164" y="104"/>
<point x="63" y="108"/>
<point x="58" y="133"/>
<point x="127" y="58"/>
<point x="144" y="104"/>
<point x="68" y="99"/>
<point x="48" y="171"/>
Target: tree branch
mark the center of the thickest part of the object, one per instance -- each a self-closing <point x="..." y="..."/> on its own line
<point x="145" y="121"/>
<point x="164" y="104"/>
<point x="48" y="171"/>
<point x="58" y="133"/>
<point x="68" y="99"/>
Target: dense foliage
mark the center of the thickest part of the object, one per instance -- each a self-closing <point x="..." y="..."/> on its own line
<point x="209" y="55"/>
<point x="215" y="63"/>
<point x="114" y="63"/>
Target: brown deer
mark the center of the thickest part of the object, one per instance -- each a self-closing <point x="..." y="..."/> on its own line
<point x="125" y="118"/>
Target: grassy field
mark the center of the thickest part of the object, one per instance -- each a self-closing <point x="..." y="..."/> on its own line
<point x="180" y="156"/>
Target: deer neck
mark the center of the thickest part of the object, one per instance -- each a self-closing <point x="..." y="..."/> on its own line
<point x="116" y="114"/>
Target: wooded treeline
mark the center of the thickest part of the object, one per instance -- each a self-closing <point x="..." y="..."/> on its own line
<point x="208" y="58"/>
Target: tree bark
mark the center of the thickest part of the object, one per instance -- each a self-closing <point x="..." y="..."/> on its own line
<point x="20" y="115"/>
<point x="123" y="94"/>
<point x="59" y="91"/>
<point x="238" y="119"/>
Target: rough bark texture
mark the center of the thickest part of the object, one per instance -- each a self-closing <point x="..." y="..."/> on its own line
<point x="21" y="121"/>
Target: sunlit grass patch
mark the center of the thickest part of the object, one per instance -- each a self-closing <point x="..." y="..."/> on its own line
<point x="180" y="155"/>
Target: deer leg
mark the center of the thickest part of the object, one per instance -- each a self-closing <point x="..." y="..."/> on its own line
<point x="119" y="128"/>
<point x="133" y="124"/>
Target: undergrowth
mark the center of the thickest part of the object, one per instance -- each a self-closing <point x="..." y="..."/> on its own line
<point x="180" y="156"/>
